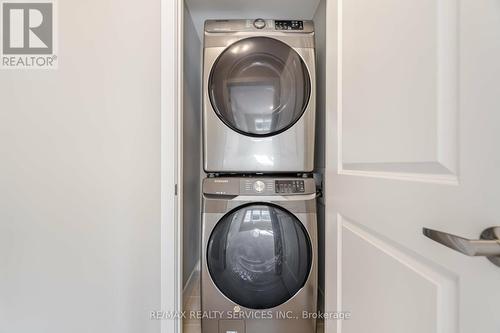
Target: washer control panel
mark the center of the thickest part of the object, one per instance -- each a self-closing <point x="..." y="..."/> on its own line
<point x="262" y="186"/>
<point x="289" y="186"/>
<point x="289" y="25"/>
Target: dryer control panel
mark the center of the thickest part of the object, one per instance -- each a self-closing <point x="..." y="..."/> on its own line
<point x="259" y="25"/>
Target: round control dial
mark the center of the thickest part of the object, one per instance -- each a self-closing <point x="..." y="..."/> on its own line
<point x="259" y="23"/>
<point x="259" y="186"/>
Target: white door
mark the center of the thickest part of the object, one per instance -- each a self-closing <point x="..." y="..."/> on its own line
<point x="415" y="98"/>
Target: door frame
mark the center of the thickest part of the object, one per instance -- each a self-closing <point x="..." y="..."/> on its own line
<point x="332" y="295"/>
<point x="171" y="163"/>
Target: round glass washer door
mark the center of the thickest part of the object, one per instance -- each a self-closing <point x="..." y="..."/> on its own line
<point x="259" y="256"/>
<point x="259" y="86"/>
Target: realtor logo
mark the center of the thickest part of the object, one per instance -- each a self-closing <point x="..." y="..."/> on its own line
<point x="28" y="32"/>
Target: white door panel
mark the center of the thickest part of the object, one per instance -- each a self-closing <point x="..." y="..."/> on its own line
<point x="376" y="277"/>
<point x="398" y="88"/>
<point x="415" y="98"/>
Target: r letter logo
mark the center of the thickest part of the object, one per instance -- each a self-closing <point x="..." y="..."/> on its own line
<point x="28" y="32"/>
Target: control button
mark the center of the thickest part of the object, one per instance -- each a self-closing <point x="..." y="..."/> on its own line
<point x="259" y="186"/>
<point x="259" y="24"/>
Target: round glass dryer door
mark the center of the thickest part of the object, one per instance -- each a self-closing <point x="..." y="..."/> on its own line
<point x="259" y="86"/>
<point x="259" y="256"/>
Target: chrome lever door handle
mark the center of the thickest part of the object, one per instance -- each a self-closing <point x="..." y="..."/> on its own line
<point x="488" y="245"/>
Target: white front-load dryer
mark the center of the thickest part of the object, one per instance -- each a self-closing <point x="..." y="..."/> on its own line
<point x="259" y="265"/>
<point x="259" y="96"/>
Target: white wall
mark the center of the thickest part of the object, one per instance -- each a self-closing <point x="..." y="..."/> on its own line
<point x="80" y="177"/>
<point x="191" y="116"/>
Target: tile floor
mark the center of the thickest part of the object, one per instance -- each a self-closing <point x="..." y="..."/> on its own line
<point x="192" y="302"/>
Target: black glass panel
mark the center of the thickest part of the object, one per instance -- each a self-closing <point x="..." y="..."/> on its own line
<point x="259" y="86"/>
<point x="259" y="256"/>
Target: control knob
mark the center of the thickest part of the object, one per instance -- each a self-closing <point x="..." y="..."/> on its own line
<point x="259" y="186"/>
<point x="259" y="23"/>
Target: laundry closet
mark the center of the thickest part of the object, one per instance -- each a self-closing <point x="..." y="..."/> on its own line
<point x="253" y="161"/>
<point x="405" y="108"/>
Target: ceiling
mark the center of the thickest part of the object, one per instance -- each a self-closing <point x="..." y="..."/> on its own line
<point x="202" y="10"/>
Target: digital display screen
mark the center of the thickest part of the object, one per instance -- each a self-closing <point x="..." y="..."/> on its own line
<point x="289" y="186"/>
<point x="289" y="25"/>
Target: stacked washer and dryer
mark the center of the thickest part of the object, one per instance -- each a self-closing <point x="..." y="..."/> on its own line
<point x="259" y="233"/>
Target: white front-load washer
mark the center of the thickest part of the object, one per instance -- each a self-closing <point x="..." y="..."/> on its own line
<point x="259" y="96"/>
<point x="259" y="255"/>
